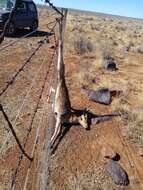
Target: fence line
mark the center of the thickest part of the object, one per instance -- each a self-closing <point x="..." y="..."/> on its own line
<point x="22" y="105"/>
<point x="31" y="123"/>
<point x="14" y="133"/>
<point x="36" y="141"/>
<point x="9" y="83"/>
<point x="45" y="79"/>
<point x="18" y="40"/>
<point x="44" y="177"/>
<point x="54" y="8"/>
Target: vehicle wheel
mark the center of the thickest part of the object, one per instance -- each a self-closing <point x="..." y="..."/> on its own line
<point x="34" y="26"/>
<point x="10" y="30"/>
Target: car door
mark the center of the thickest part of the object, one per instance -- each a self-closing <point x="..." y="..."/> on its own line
<point x="20" y="18"/>
<point x="32" y="12"/>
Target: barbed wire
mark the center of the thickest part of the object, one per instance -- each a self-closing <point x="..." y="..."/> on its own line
<point x="22" y="105"/>
<point x="31" y="126"/>
<point x="14" y="133"/>
<point x="32" y="120"/>
<point x="11" y="81"/>
<point x="16" y="41"/>
<point x="52" y="22"/>
<point x="28" y="92"/>
<point x="27" y="35"/>
<point x="39" y="126"/>
<point x="54" y="8"/>
<point x="37" y="136"/>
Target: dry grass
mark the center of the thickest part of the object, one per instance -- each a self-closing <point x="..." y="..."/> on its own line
<point x="77" y="163"/>
<point x="120" y="39"/>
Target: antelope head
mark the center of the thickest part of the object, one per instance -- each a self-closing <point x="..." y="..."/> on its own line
<point x="83" y="120"/>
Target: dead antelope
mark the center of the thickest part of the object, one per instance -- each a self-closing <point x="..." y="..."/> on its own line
<point x="62" y="104"/>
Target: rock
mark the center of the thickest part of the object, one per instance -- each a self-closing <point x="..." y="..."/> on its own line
<point x="109" y="153"/>
<point x="140" y="49"/>
<point x="117" y="173"/>
<point x="109" y="64"/>
<point x="101" y="95"/>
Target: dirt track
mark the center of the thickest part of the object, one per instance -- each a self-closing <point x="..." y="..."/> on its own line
<point x="77" y="163"/>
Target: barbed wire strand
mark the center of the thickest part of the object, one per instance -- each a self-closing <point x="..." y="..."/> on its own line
<point x="22" y="105"/>
<point x="35" y="111"/>
<point x="22" y="37"/>
<point x="31" y="123"/>
<point x="9" y="83"/>
<point x="16" y="41"/>
<point x="38" y="129"/>
<point x="54" y="8"/>
<point x="48" y="130"/>
<point x="8" y="136"/>
<point x="37" y="136"/>
<point x="46" y="102"/>
<point x="14" y="133"/>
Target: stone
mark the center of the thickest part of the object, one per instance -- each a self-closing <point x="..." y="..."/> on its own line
<point x="117" y="173"/>
<point x="109" y="64"/>
<point x="101" y="95"/>
<point x="140" y="49"/>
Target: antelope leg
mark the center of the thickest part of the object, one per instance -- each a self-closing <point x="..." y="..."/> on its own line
<point x="56" y="132"/>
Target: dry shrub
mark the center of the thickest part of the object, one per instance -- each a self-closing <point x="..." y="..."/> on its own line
<point x="82" y="46"/>
<point x="132" y="118"/>
<point x="134" y="126"/>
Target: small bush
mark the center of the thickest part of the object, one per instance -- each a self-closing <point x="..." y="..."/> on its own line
<point x="83" y="46"/>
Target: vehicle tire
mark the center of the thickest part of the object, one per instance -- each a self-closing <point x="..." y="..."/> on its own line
<point x="34" y="26"/>
<point x="11" y="29"/>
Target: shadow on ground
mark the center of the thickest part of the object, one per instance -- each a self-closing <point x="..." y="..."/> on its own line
<point x="22" y="32"/>
<point x="91" y="119"/>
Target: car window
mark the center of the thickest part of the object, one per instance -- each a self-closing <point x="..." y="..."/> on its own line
<point x="21" y="7"/>
<point x="31" y="7"/>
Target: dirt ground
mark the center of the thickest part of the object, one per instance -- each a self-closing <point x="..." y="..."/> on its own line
<point x="77" y="162"/>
